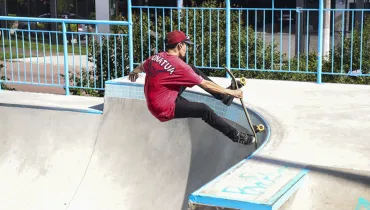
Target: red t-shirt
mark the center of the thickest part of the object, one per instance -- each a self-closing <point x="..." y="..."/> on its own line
<point x="165" y="74"/>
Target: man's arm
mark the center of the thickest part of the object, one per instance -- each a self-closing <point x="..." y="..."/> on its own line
<point x="134" y="74"/>
<point x="213" y="87"/>
<point x="139" y="68"/>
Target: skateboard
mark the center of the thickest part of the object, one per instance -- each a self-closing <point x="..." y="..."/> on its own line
<point x="255" y="128"/>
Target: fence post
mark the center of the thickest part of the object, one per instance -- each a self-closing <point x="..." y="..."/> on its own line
<point x="228" y="41"/>
<point x="179" y="7"/>
<point x="65" y="52"/>
<point x="130" y="36"/>
<point x="320" y="42"/>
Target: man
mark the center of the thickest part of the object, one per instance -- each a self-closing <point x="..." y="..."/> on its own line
<point x="167" y="76"/>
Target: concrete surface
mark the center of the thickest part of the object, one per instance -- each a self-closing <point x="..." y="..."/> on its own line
<point x="77" y="62"/>
<point x="51" y="101"/>
<point x="122" y="159"/>
<point x="140" y="163"/>
<point x="43" y="156"/>
<point x="320" y="127"/>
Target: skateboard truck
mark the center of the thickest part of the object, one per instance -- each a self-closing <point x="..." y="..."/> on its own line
<point x="258" y="128"/>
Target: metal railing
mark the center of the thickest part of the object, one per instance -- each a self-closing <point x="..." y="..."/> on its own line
<point x="48" y="52"/>
<point x="246" y="39"/>
<point x="260" y="39"/>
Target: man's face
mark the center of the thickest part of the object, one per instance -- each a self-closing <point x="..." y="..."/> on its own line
<point x="182" y="50"/>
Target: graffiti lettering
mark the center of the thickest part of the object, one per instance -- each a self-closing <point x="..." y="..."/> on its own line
<point x="256" y="184"/>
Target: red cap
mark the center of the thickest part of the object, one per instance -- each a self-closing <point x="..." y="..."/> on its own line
<point x="175" y="37"/>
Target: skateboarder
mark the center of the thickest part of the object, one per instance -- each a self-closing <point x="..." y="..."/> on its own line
<point x="167" y="76"/>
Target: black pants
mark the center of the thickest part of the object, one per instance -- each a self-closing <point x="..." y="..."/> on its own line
<point x="189" y="109"/>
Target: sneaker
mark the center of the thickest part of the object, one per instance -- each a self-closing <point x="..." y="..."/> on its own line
<point x="243" y="138"/>
<point x="227" y="99"/>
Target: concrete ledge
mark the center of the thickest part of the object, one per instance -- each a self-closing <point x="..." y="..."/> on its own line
<point x="251" y="185"/>
<point x="92" y="105"/>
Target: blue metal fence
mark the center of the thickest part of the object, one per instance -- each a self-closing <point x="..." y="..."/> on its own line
<point x="73" y="57"/>
<point x="233" y="40"/>
<point x="247" y="39"/>
<point x="260" y="39"/>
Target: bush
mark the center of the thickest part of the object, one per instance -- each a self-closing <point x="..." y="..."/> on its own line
<point x="2" y="85"/>
<point x="351" y="44"/>
<point x="111" y="54"/>
<point x="340" y="60"/>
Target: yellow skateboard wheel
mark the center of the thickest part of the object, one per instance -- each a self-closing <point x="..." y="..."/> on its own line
<point x="243" y="81"/>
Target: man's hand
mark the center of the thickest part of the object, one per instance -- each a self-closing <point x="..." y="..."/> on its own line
<point x="133" y="76"/>
<point x="236" y="93"/>
<point x="213" y="87"/>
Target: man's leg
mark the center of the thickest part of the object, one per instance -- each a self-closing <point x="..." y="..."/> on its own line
<point x="188" y="109"/>
<point x="226" y="99"/>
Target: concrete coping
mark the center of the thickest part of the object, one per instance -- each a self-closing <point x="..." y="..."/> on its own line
<point x="85" y="104"/>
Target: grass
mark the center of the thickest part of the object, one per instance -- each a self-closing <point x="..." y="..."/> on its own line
<point x="9" y="48"/>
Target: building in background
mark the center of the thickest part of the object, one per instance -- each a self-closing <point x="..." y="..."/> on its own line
<point x="108" y="9"/>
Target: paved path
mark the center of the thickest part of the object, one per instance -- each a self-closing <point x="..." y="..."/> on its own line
<point x="46" y="73"/>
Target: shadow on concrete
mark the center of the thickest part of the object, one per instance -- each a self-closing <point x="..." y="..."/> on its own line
<point x="219" y="151"/>
<point x="99" y="107"/>
<point x="50" y="108"/>
<point x="361" y="177"/>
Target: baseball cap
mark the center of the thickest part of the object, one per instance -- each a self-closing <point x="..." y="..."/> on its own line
<point x="176" y="36"/>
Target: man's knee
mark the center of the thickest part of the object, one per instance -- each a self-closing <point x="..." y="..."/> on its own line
<point x="207" y="113"/>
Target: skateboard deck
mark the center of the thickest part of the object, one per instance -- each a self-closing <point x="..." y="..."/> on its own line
<point x="255" y="128"/>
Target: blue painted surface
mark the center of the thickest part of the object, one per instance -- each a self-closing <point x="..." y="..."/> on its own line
<point x="289" y="191"/>
<point x="274" y="202"/>
<point x="211" y="201"/>
<point x="363" y="204"/>
<point x="288" y="186"/>
<point x="262" y="182"/>
<point x="130" y="37"/>
<point x="228" y="36"/>
<point x="130" y="90"/>
<point x="320" y="41"/>
<point x="65" y="50"/>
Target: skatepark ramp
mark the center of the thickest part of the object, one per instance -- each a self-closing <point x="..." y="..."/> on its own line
<point x="64" y="152"/>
